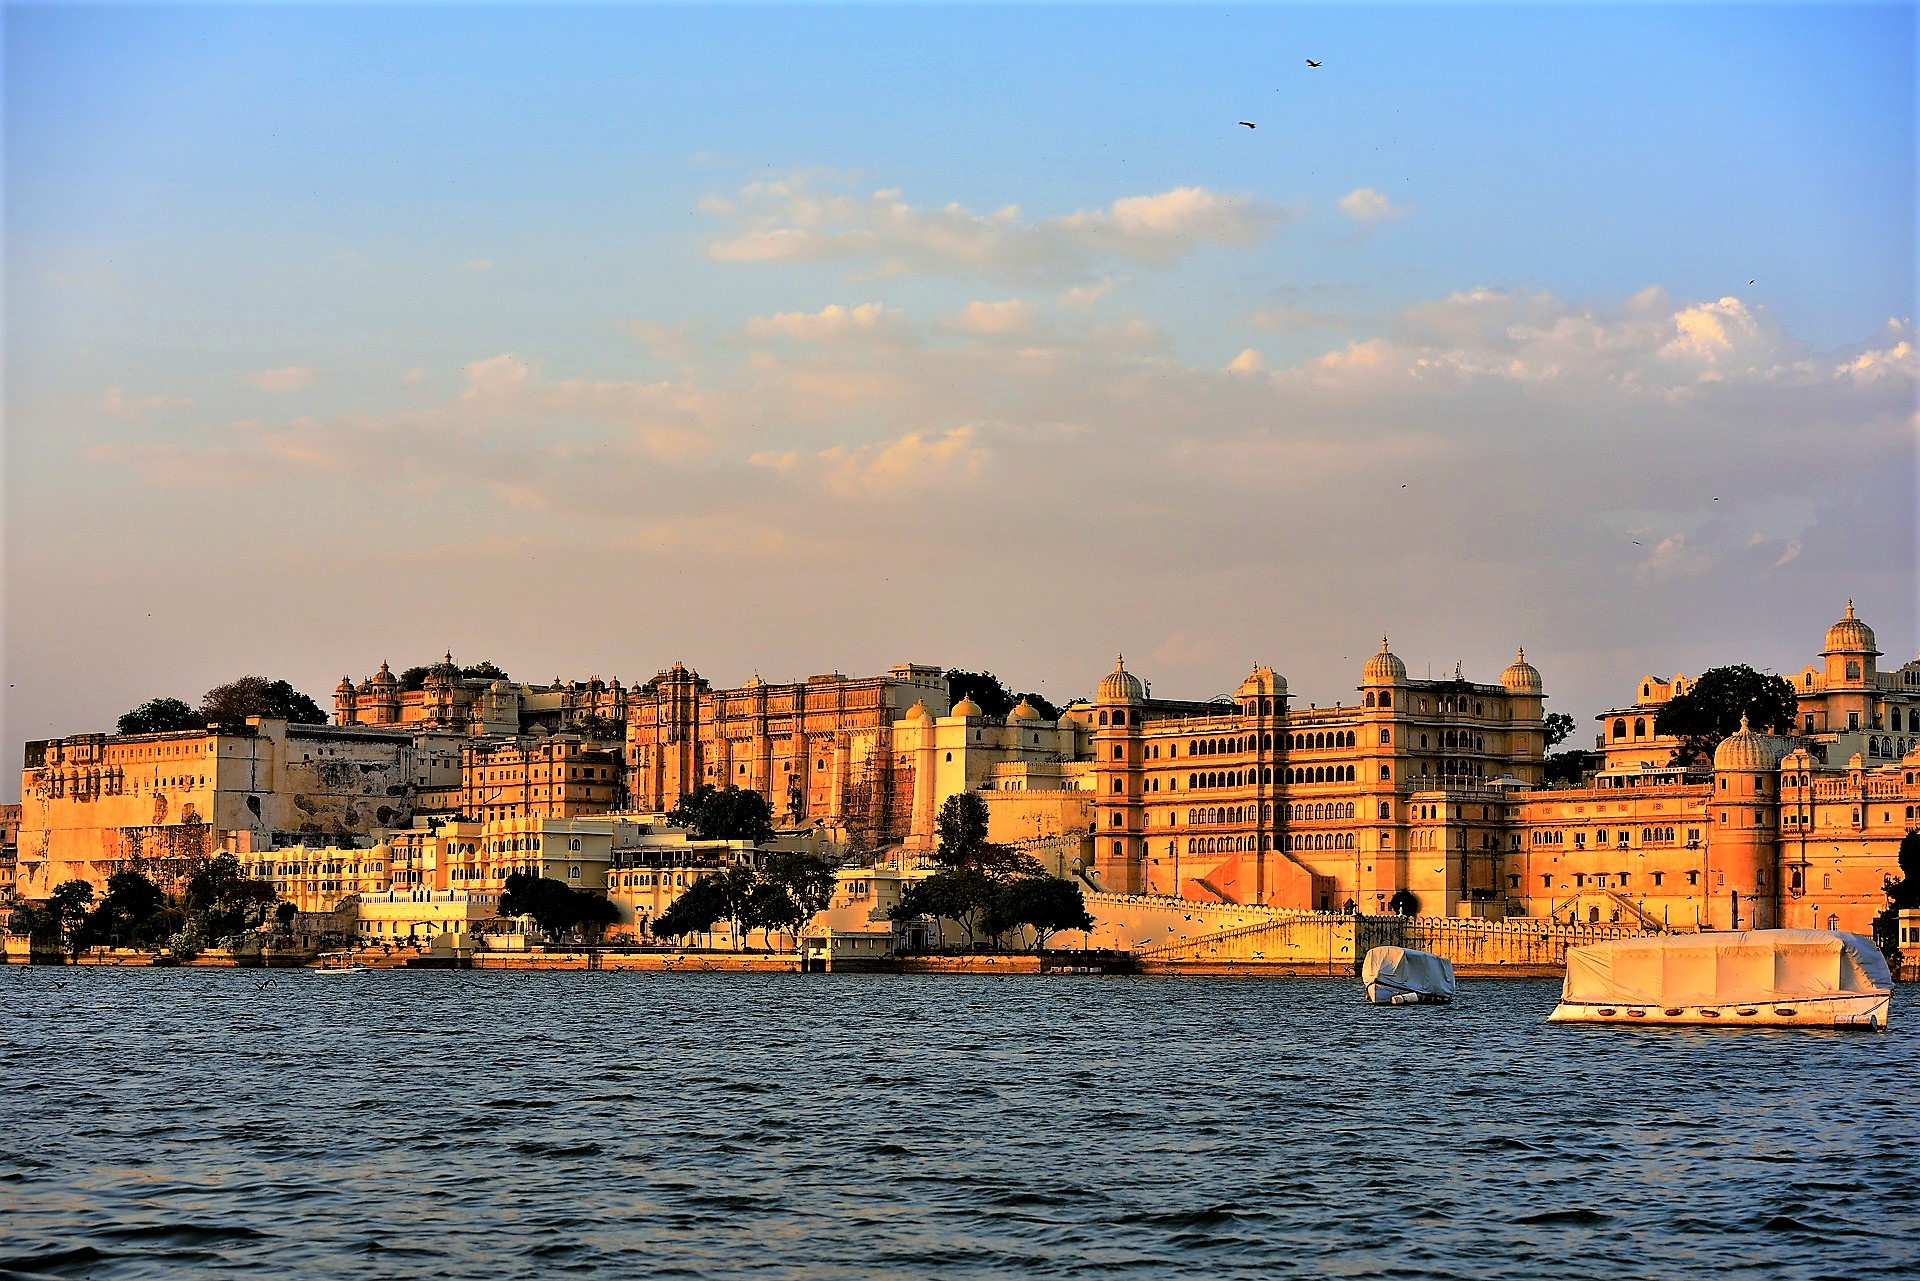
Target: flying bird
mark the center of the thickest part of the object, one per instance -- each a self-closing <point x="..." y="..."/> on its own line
<point x="1312" y="63"/>
<point x="1749" y="282"/>
<point x="1248" y="123"/>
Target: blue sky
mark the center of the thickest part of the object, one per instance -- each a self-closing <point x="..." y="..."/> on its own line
<point x="259" y="259"/>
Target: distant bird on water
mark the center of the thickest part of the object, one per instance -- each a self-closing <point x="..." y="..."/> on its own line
<point x="1248" y="123"/>
<point x="1312" y="63"/>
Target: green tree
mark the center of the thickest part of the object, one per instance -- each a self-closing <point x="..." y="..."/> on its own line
<point x="598" y="728"/>
<point x="128" y="915"/>
<point x="224" y="901"/>
<point x="807" y="883"/>
<point x="160" y="716"/>
<point x="413" y="678"/>
<point x="284" y="915"/>
<point x="1714" y="706"/>
<point x="1045" y="904"/>
<point x="962" y="895"/>
<point x="725" y="814"/>
<point x="69" y="903"/>
<point x="696" y="911"/>
<point x="484" y="670"/>
<point x="556" y="907"/>
<point x="1560" y="727"/>
<point x="232" y="703"/>
<point x="961" y="827"/>
<point x="1571" y="767"/>
<point x="983" y="688"/>
<point x="39" y="924"/>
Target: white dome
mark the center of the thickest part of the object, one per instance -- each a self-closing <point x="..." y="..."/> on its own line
<point x="1383" y="668"/>
<point x="1746" y="750"/>
<point x="1521" y="677"/>
<point x="1120" y="685"/>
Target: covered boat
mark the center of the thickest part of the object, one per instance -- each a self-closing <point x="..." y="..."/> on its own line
<point x="1781" y="978"/>
<point x="1403" y="976"/>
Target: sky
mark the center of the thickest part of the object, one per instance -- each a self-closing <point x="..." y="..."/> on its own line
<point x="800" y="339"/>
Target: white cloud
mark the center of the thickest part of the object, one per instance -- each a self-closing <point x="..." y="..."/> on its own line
<point x="120" y="405"/>
<point x="1010" y="317"/>
<point x="834" y="323"/>
<point x="1248" y="362"/>
<point x="286" y="378"/>
<point x="794" y="219"/>
<point x="1367" y="206"/>
<point x="912" y="460"/>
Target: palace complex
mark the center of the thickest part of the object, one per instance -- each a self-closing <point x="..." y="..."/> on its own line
<point x="1424" y="795"/>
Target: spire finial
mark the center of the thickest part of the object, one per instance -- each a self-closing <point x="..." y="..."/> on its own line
<point x="1743" y="724"/>
<point x="1383" y="642"/>
<point x="1120" y="662"/>
<point x="1849" y="607"/>
<point x="1523" y="655"/>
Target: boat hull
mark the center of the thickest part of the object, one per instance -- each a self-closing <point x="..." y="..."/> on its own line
<point x="1381" y="994"/>
<point x="1866" y="1011"/>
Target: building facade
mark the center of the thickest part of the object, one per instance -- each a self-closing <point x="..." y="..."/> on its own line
<point x="820" y="750"/>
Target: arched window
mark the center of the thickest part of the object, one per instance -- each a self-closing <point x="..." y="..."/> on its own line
<point x="1386" y="699"/>
<point x="1103" y="718"/>
<point x="1119" y="718"/>
<point x="1369" y="700"/>
<point x="1266" y="773"/>
<point x="1266" y="740"/>
<point x="1384" y="809"/>
<point x="1639" y="727"/>
<point x="1620" y="729"/>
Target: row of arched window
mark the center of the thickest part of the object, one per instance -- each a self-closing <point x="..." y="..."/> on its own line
<point x="1318" y="841"/>
<point x="1321" y="774"/>
<point x="1459" y="738"/>
<point x="1887" y="747"/>
<point x="1311" y="813"/>
<point x="1320" y="741"/>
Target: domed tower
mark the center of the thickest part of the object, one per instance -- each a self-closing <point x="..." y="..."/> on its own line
<point x="1742" y="854"/>
<point x="345" y="700"/>
<point x="1262" y="695"/>
<point x="1384" y="774"/>
<point x="1851" y="679"/>
<point x="1526" y="711"/>
<point x="1119" y="853"/>
<point x="381" y="704"/>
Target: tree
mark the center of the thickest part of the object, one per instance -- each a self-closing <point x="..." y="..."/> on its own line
<point x="1571" y="767"/>
<point x="411" y="679"/>
<point x="1404" y="903"/>
<point x="284" y="915"/>
<point x="68" y="903"/>
<point x="962" y="830"/>
<point x="556" y="907"/>
<point x="38" y="924"/>
<point x="983" y="688"/>
<point x="232" y="703"/>
<point x="696" y="911"/>
<point x="128" y="913"/>
<point x="224" y="901"/>
<point x="725" y="814"/>
<point x="1714" y="706"/>
<point x="598" y="728"/>
<point x="1560" y="727"/>
<point x="807" y="881"/>
<point x="1047" y="904"/>
<point x="161" y="716"/>
<point x="484" y="670"/>
<point x="958" y="894"/>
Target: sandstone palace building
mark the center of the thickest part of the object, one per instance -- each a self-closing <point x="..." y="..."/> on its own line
<point x="1424" y="795"/>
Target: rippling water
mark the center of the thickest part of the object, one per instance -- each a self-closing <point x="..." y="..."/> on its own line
<point x="430" y="1124"/>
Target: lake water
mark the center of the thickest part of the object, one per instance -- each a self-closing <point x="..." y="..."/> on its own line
<point x="436" y="1124"/>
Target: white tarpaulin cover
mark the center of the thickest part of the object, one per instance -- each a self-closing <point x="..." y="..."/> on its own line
<point x="1398" y="971"/>
<point x="1726" y="968"/>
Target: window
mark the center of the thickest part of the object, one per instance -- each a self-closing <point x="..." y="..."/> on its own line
<point x="1386" y="736"/>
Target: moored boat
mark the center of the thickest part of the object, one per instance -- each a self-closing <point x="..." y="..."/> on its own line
<point x="1735" y="978"/>
<point x="1406" y="976"/>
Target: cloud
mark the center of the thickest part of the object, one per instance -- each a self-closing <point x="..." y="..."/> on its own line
<point x="1248" y="362"/>
<point x="1367" y="206"/>
<point x="668" y="342"/>
<point x="912" y="461"/>
<point x="831" y="324"/>
<point x="811" y="217"/>
<point x="287" y="378"/>
<point x="477" y="264"/>
<point x="117" y="403"/>
<point x="1010" y="317"/>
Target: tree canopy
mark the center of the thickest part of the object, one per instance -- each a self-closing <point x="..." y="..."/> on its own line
<point x="160" y="716"/>
<point x="1712" y="709"/>
<point x="232" y="703"/>
<point x="1560" y="727"/>
<point x="724" y="814"/>
<point x="226" y="900"/>
<point x="484" y="670"/>
<point x="556" y="907"/>
<point x="994" y="698"/>
<point x="1904" y="890"/>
